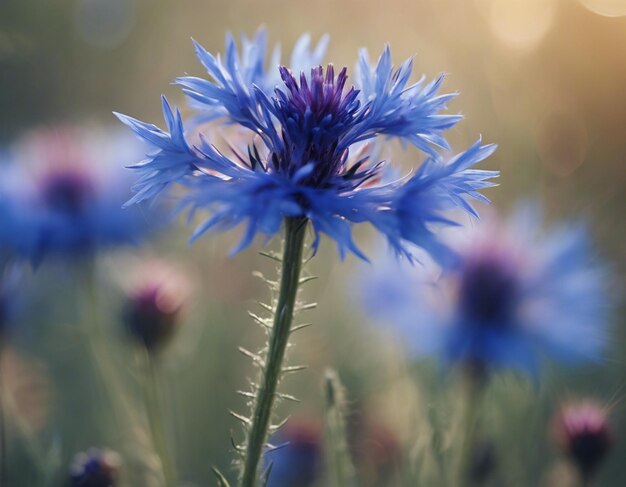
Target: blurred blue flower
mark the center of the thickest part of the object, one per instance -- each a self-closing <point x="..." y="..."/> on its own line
<point x="306" y="155"/>
<point x="296" y="458"/>
<point x="61" y="193"/>
<point x="513" y="294"/>
<point x="96" y="468"/>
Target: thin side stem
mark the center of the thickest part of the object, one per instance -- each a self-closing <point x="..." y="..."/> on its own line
<point x="587" y="480"/>
<point x="126" y="415"/>
<point x="295" y="229"/>
<point x="152" y="398"/>
<point x="339" y="463"/>
<point x="3" y="440"/>
<point x="474" y="386"/>
<point x="97" y="341"/>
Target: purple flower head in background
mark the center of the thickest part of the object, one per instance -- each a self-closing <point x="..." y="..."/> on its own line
<point x="156" y="297"/>
<point x="582" y="431"/>
<point x="296" y="457"/>
<point x="61" y="193"/>
<point x="515" y="293"/>
<point x="305" y="158"/>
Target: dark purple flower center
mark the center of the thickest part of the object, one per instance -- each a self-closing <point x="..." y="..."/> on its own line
<point x="588" y="448"/>
<point x="488" y="292"/>
<point x="67" y="192"/>
<point x="314" y="114"/>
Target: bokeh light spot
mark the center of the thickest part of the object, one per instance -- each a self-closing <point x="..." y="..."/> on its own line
<point x="607" y="8"/>
<point x="521" y="24"/>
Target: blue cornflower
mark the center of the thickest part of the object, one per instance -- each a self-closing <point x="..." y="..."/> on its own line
<point x="252" y="70"/>
<point x="513" y="295"/>
<point x="305" y="158"/>
<point x="61" y="193"/>
<point x="296" y="458"/>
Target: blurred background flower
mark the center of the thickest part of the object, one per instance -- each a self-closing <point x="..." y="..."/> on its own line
<point x="514" y="294"/>
<point x="95" y="468"/>
<point x="583" y="432"/>
<point x="295" y="458"/>
<point x="61" y="194"/>
<point x="155" y="297"/>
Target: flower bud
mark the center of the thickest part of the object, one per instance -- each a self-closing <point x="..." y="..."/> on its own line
<point x="96" y="468"/>
<point x="582" y="431"/>
<point x="151" y="315"/>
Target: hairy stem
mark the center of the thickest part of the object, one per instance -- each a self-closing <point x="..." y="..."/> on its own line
<point x="295" y="229"/>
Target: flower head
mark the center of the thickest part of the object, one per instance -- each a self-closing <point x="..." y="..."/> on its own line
<point x="60" y="194"/>
<point x="154" y="304"/>
<point x="512" y="295"/>
<point x="296" y="457"/>
<point x="305" y="157"/>
<point x="582" y="431"/>
<point x="96" y="468"/>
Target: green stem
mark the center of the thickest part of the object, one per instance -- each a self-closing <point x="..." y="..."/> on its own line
<point x="97" y="340"/>
<point x="3" y="441"/>
<point x="474" y="386"/>
<point x="126" y="415"/>
<point x="586" y="479"/>
<point x="152" y="398"/>
<point x="339" y="463"/>
<point x="295" y="229"/>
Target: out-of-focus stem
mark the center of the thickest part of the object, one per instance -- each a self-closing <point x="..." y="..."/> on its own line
<point x="340" y="468"/>
<point x="474" y="383"/>
<point x="126" y="415"/>
<point x="156" y="419"/>
<point x="587" y="480"/>
<point x="295" y="230"/>
<point x="3" y="440"/>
